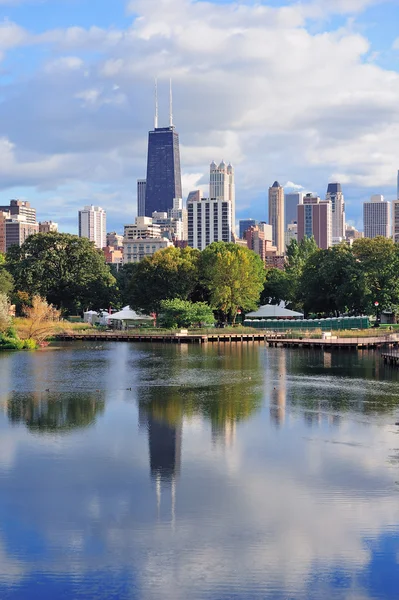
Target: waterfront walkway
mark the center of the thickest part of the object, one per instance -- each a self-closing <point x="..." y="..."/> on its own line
<point x="390" y="340"/>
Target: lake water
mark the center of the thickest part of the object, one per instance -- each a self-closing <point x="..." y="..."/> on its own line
<point x="133" y="471"/>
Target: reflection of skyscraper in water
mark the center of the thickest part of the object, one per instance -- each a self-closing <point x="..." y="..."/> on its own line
<point x="279" y="393"/>
<point x="164" y="441"/>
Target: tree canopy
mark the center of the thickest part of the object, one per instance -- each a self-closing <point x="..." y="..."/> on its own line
<point x="234" y="277"/>
<point x="168" y="274"/>
<point x="183" y="313"/>
<point x="65" y="269"/>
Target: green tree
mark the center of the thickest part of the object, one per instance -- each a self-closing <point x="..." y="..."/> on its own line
<point x="277" y="287"/>
<point x="6" y="281"/>
<point x="378" y="259"/>
<point x="234" y="277"/>
<point x="183" y="313"/>
<point x="4" y="313"/>
<point x="298" y="254"/>
<point x="168" y="274"/>
<point x="66" y="270"/>
<point x="332" y="283"/>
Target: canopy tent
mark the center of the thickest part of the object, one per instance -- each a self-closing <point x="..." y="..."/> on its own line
<point x="272" y="311"/>
<point x="127" y="314"/>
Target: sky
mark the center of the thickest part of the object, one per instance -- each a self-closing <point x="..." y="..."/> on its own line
<point x="300" y="92"/>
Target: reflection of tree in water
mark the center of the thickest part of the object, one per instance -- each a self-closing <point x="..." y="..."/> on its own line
<point x="55" y="412"/>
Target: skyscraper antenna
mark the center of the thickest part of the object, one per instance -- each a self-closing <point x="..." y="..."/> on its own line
<point x="170" y="104"/>
<point x="156" y="104"/>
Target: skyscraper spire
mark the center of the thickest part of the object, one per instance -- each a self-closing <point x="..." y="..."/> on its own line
<point x="156" y="104"/>
<point x="170" y="104"/>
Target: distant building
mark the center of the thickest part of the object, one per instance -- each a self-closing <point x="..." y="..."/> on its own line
<point x="143" y="229"/>
<point x="179" y="213"/>
<point x="114" y="239"/>
<point x="377" y="217"/>
<point x="291" y="201"/>
<point x="276" y="216"/>
<point x="291" y="233"/>
<point x="395" y="221"/>
<point x="3" y="217"/>
<point x="315" y="219"/>
<point x="17" y="231"/>
<point x="209" y="220"/>
<point x="48" y="227"/>
<point x="93" y="225"/>
<point x="222" y="186"/>
<point x="163" y="166"/>
<point x="142" y="239"/>
<point x="113" y="256"/>
<point x="141" y="187"/>
<point x="20" y="208"/>
<point x="336" y="197"/>
<point x="351" y="233"/>
<point x="260" y="241"/>
<point x="243" y="225"/>
<point x="170" y="228"/>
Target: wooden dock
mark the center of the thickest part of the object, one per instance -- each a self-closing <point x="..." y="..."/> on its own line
<point x="391" y="358"/>
<point x="391" y="340"/>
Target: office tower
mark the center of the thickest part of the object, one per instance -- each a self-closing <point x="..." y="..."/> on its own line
<point x="48" y="227"/>
<point x="93" y="225"/>
<point x="209" y="220"/>
<point x="395" y="221"/>
<point x="179" y="213"/>
<point x="17" y="230"/>
<point x="291" y="201"/>
<point x="377" y="217"/>
<point x="163" y="166"/>
<point x="276" y="216"/>
<point x="141" y="187"/>
<point x="243" y="225"/>
<point x="315" y="219"/>
<point x="222" y="186"/>
<point x="336" y="197"/>
<point x="21" y="208"/>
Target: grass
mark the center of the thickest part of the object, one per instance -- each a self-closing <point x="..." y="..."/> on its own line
<point x="23" y="326"/>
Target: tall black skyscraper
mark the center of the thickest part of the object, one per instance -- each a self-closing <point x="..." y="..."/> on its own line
<point x="163" y="166"/>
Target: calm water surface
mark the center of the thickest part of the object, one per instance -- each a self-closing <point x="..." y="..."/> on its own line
<point x="223" y="472"/>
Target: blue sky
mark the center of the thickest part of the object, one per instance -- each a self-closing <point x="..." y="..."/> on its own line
<point x="302" y="92"/>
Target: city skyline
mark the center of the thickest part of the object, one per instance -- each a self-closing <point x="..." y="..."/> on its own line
<point x="88" y="145"/>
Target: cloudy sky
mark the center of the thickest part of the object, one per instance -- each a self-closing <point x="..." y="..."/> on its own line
<point x="303" y="92"/>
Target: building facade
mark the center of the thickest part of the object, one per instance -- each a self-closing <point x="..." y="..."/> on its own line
<point x="291" y="233"/>
<point x="243" y="225"/>
<point x="351" y="233"/>
<point x="315" y="219"/>
<point x="3" y="217"/>
<point x="113" y="256"/>
<point x="163" y="182"/>
<point x="395" y="221"/>
<point x="276" y="216"/>
<point x="141" y="187"/>
<point x="135" y="250"/>
<point x="17" y="231"/>
<point x="291" y="201"/>
<point x="93" y="225"/>
<point x="48" y="227"/>
<point x="260" y="241"/>
<point x="114" y="239"/>
<point x="336" y="197"/>
<point x="209" y="220"/>
<point x="21" y="208"/>
<point x="377" y="217"/>
<point x="222" y="186"/>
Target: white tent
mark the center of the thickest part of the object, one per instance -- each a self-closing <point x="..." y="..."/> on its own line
<point x="272" y="311"/>
<point x="127" y="314"/>
<point x="90" y="316"/>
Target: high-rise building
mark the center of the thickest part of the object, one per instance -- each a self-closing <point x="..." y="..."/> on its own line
<point x="163" y="166"/>
<point x="377" y="217"/>
<point x="315" y="219"/>
<point x="276" y="216"/>
<point x="48" y="227"/>
<point x="243" y="225"/>
<point x="93" y="225"/>
<point x="291" y="233"/>
<point x="3" y="217"/>
<point x="141" y="187"/>
<point x="395" y="221"/>
<point x="336" y="197"/>
<point x="291" y="201"/>
<point x="179" y="213"/>
<point x="351" y="233"/>
<point x="21" y="208"/>
<point x="209" y="220"/>
<point x="17" y="230"/>
<point x="222" y="186"/>
<point x="259" y="239"/>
